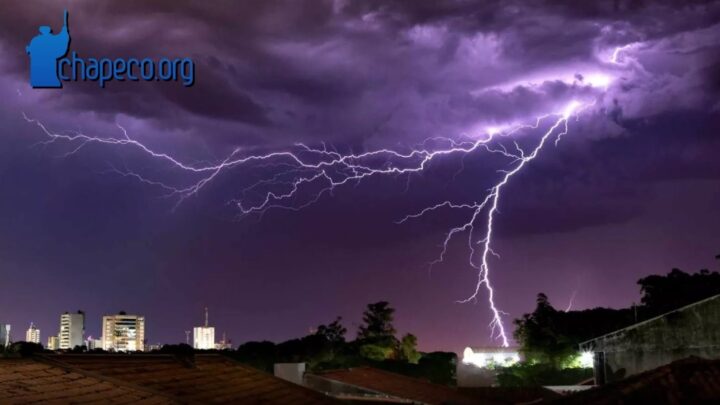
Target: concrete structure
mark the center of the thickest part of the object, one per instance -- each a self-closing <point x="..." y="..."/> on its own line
<point x="32" y="334"/>
<point x="72" y="329"/>
<point x="53" y="343"/>
<point x="292" y="372"/>
<point x="4" y="334"/>
<point x="123" y="333"/>
<point x="477" y="366"/>
<point x="204" y="336"/>
<point x="693" y="330"/>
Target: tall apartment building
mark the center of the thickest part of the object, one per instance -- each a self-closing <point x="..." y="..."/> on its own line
<point x="123" y="333"/>
<point x="72" y="329"/>
<point x="204" y="336"/>
<point x="32" y="334"/>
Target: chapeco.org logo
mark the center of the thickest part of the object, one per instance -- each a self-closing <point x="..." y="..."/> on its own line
<point x="50" y="66"/>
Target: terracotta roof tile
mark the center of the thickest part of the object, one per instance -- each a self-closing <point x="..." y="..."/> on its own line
<point x="400" y="386"/>
<point x="210" y="378"/>
<point x="24" y="381"/>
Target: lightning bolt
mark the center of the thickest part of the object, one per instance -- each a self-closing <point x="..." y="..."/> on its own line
<point x="322" y="170"/>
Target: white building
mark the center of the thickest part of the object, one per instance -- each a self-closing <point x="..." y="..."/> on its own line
<point x="204" y="336"/>
<point x="72" y="329"/>
<point x="478" y="367"/>
<point x="53" y="343"/>
<point x="4" y="334"/>
<point x="123" y="333"/>
<point x="32" y="334"/>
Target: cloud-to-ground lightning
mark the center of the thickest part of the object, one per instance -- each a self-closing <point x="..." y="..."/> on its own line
<point x="320" y="171"/>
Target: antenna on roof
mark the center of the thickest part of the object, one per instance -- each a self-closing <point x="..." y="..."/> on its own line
<point x="187" y="337"/>
<point x="206" y="317"/>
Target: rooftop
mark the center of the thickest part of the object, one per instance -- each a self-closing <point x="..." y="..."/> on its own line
<point x="145" y="377"/>
<point x="24" y="381"/>
<point x="399" y="386"/>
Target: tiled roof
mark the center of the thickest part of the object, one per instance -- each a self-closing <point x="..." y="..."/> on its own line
<point x="689" y="381"/>
<point x="207" y="379"/>
<point x="399" y="386"/>
<point x="25" y="381"/>
<point x="510" y="395"/>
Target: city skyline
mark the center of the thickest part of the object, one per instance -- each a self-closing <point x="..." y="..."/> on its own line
<point x="71" y="323"/>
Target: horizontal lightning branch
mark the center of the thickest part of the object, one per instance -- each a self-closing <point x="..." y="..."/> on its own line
<point x="319" y="171"/>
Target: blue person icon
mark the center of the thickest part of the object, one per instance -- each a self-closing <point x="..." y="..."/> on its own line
<point x="45" y="50"/>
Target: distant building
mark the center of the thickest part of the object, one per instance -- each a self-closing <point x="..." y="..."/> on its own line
<point x="92" y="343"/>
<point x="33" y="334"/>
<point x="477" y="368"/>
<point x="204" y="336"/>
<point x="152" y="347"/>
<point x="4" y="334"/>
<point x="693" y="330"/>
<point x="223" y="344"/>
<point x="72" y="329"/>
<point x="123" y="333"/>
<point x="53" y="343"/>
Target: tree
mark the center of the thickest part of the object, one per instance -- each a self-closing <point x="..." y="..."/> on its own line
<point x="377" y="336"/>
<point x="23" y="349"/>
<point x="539" y="336"/>
<point x="661" y="294"/>
<point x="408" y="348"/>
<point x="550" y="336"/>
<point x="181" y="349"/>
<point x="333" y="333"/>
<point x="260" y="355"/>
<point x="378" y="318"/>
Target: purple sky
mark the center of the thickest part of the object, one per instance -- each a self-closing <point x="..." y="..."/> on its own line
<point x="633" y="189"/>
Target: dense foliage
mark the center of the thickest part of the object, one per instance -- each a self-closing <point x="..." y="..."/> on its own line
<point x="376" y="345"/>
<point x="551" y="336"/>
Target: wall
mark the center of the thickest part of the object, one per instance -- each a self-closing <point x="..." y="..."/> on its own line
<point x="690" y="331"/>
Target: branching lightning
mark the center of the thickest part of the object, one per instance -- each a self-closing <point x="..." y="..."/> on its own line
<point x="319" y="171"/>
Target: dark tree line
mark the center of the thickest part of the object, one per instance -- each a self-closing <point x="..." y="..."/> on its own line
<point x="375" y="345"/>
<point x="551" y="336"/>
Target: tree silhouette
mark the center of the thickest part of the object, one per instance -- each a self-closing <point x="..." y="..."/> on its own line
<point x="334" y="332"/>
<point x="378" y="318"/>
<point x="661" y="294"/>
<point x="552" y="336"/>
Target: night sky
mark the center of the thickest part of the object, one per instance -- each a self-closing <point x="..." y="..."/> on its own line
<point x="633" y="189"/>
